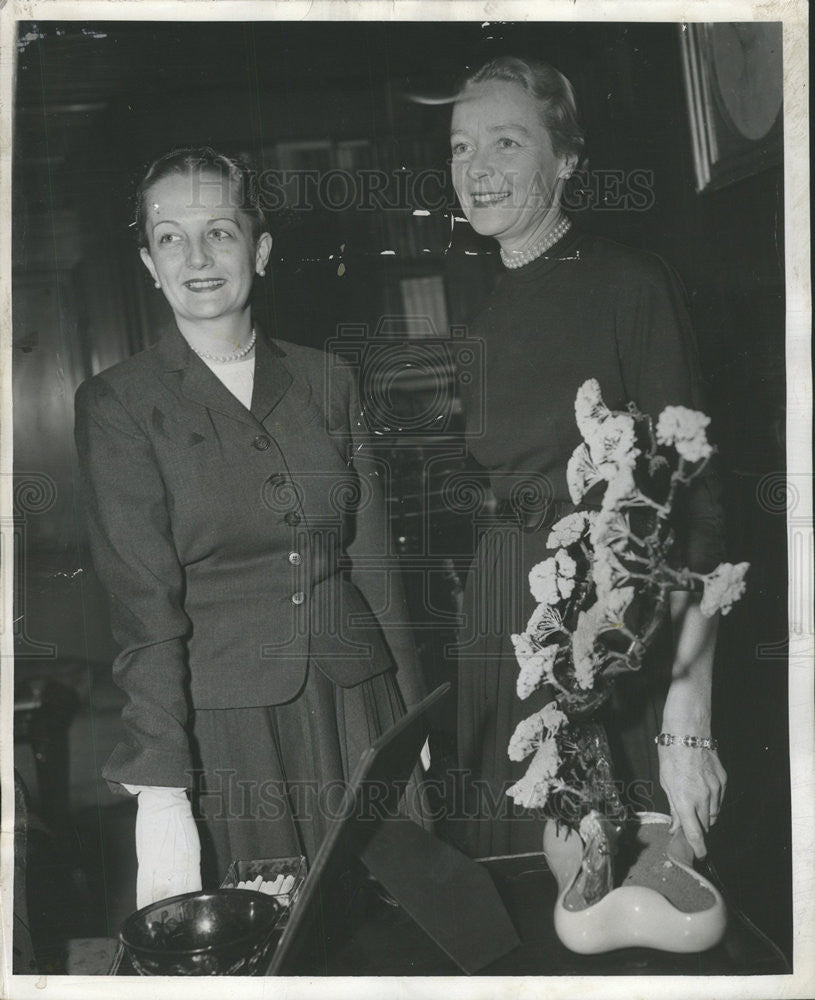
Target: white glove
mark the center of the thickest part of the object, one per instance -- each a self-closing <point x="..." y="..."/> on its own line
<point x="167" y="845"/>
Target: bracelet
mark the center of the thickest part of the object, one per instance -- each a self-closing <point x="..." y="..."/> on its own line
<point x="696" y="742"/>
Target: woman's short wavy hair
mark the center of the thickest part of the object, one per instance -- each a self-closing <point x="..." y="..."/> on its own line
<point x="552" y="90"/>
<point x="203" y="159"/>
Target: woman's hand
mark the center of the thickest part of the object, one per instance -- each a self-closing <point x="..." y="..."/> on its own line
<point x="694" y="781"/>
<point x="693" y="778"/>
<point x="167" y="845"/>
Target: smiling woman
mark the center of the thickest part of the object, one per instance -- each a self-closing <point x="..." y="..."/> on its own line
<point x="212" y="464"/>
<point x="570" y="307"/>
<point x="515" y="139"/>
<point x="202" y="240"/>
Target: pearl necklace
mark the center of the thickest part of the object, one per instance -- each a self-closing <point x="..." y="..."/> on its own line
<point x="517" y="258"/>
<point x="226" y="358"/>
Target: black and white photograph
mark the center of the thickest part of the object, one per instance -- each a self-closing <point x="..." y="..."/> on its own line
<point x="407" y="536"/>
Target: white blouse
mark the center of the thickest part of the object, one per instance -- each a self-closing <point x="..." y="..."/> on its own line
<point x="237" y="376"/>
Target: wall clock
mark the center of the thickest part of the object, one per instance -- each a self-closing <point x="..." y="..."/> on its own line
<point x="734" y="85"/>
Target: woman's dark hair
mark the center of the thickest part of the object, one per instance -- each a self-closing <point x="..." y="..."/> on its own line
<point x="203" y="159"/>
<point x="549" y="86"/>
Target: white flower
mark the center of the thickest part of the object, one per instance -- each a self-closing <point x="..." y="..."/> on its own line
<point x="544" y="621"/>
<point x="589" y="408"/>
<point x="529" y="793"/>
<point x="543" y="582"/>
<point x="612" y="445"/>
<point x="553" y="579"/>
<point x="526" y="737"/>
<point x="621" y="487"/>
<point x="581" y="473"/>
<point x="685" y="430"/>
<point x="566" y="569"/>
<point x="615" y="605"/>
<point x="552" y="717"/>
<point x="532" y="791"/>
<point x="723" y="587"/>
<point x="546" y="761"/>
<point x="610" y="438"/>
<point x="529" y="733"/>
<point x="607" y="613"/>
<point x="607" y="570"/>
<point x="524" y="647"/>
<point x="535" y="663"/>
<point x="610" y="528"/>
<point x="534" y="669"/>
<point x="569" y="529"/>
<point x="583" y="652"/>
<point x="611" y="525"/>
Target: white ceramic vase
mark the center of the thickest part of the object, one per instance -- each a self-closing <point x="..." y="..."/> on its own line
<point x="632" y="915"/>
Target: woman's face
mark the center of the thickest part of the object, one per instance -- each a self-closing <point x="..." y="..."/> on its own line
<point x="200" y="246"/>
<point x="505" y="173"/>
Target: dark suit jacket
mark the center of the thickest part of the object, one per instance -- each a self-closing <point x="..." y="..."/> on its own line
<point x="236" y="546"/>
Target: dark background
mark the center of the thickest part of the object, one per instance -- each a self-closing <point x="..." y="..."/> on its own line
<point x="96" y="102"/>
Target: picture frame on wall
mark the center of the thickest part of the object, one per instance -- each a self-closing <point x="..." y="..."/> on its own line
<point x="734" y="85"/>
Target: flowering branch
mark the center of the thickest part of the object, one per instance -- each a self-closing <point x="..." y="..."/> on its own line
<point x="602" y="596"/>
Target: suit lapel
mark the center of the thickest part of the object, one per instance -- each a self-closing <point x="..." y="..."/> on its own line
<point x="272" y="378"/>
<point x="190" y="376"/>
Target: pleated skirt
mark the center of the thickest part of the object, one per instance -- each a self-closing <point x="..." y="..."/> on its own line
<point x="271" y="780"/>
<point x="497" y="603"/>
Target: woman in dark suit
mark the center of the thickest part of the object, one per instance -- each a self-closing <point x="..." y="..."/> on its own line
<point x="569" y="307"/>
<point x="237" y="521"/>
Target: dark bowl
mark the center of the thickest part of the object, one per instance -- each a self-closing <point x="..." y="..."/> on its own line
<point x="220" y="933"/>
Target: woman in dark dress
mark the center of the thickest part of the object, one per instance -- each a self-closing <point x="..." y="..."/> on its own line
<point x="568" y="307"/>
<point x="230" y="502"/>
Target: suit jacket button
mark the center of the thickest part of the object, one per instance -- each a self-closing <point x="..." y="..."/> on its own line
<point x="261" y="442"/>
<point x="292" y="517"/>
<point x="298" y="598"/>
<point x="295" y="558"/>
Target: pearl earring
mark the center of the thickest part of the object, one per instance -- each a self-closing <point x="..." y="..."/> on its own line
<point x="261" y="272"/>
<point x="157" y="284"/>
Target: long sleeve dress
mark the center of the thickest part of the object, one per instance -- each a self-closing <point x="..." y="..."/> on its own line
<point x="246" y="553"/>
<point x="589" y="308"/>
